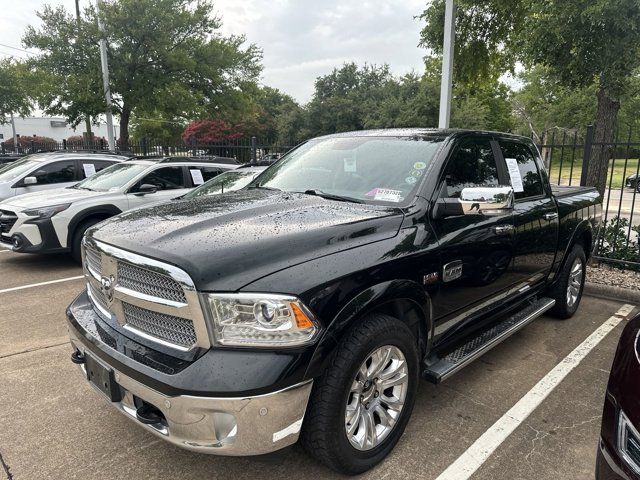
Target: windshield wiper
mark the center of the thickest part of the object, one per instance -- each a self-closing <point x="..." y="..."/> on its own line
<point x="331" y="196"/>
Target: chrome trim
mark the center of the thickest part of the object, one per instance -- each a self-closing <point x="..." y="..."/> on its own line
<point x="219" y="425"/>
<point x="192" y="310"/>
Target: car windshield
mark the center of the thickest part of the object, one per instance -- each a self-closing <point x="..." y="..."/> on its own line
<point x="113" y="177"/>
<point x="225" y="182"/>
<point x="361" y="169"/>
<point x="13" y="170"/>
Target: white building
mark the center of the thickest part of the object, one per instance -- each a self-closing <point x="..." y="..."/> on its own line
<point x="52" y="127"/>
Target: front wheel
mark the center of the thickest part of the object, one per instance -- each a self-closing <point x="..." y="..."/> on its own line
<point x="360" y="406"/>
<point x="76" y="240"/>
<point x="567" y="291"/>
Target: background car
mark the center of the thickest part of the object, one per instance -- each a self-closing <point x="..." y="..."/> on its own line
<point x="619" y="450"/>
<point x="632" y="181"/>
<point x="226" y="182"/>
<point x="55" y="220"/>
<point x="44" y="171"/>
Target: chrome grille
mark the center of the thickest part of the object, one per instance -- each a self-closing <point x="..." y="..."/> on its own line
<point x="94" y="260"/>
<point x="150" y="283"/>
<point x="98" y="297"/>
<point x="176" y="330"/>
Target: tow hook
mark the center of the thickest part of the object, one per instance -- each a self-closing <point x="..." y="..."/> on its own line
<point x="149" y="415"/>
<point x="77" y="357"/>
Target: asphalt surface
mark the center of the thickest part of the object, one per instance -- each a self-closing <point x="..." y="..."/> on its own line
<point x="55" y="426"/>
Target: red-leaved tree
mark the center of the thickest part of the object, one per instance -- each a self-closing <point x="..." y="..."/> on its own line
<point x="211" y="131"/>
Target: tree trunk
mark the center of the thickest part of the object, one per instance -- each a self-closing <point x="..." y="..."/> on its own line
<point x="125" y="116"/>
<point x="88" y="134"/>
<point x="606" y="116"/>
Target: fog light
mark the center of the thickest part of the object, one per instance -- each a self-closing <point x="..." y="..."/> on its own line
<point x="17" y="241"/>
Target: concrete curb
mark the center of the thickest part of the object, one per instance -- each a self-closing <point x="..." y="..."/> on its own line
<point x="611" y="292"/>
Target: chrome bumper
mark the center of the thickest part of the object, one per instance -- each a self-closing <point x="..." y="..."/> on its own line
<point x="222" y="426"/>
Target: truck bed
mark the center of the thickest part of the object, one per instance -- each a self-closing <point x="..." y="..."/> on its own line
<point x="560" y="191"/>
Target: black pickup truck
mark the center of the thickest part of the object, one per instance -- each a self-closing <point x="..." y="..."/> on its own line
<point x="308" y="305"/>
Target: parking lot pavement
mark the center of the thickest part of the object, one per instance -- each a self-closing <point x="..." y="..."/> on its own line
<point x="55" y="426"/>
<point x="17" y="269"/>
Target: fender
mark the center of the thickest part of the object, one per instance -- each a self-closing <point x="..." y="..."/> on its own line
<point x="377" y="296"/>
<point x="581" y="228"/>
<point x="108" y="210"/>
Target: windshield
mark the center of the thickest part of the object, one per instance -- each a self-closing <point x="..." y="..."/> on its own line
<point x="12" y="170"/>
<point x="225" y="182"/>
<point x="368" y="169"/>
<point x="113" y="177"/>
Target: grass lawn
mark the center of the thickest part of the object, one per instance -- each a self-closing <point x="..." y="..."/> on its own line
<point x="619" y="172"/>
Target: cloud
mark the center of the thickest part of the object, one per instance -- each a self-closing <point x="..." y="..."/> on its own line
<point x="301" y="39"/>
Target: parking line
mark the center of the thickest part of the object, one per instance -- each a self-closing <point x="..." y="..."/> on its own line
<point x="60" y="280"/>
<point x="478" y="453"/>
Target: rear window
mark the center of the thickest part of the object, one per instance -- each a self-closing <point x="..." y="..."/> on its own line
<point x="529" y="182"/>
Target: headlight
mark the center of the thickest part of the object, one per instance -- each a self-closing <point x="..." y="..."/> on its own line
<point x="248" y="319"/>
<point x="47" y="212"/>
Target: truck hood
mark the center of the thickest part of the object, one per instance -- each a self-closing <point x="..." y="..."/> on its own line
<point x="225" y="242"/>
<point x="46" y="198"/>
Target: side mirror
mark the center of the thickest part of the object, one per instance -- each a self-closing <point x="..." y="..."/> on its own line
<point x="146" y="188"/>
<point x="30" y="181"/>
<point x="486" y="200"/>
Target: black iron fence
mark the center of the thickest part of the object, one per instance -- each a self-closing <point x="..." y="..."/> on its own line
<point x="567" y="155"/>
<point x="244" y="149"/>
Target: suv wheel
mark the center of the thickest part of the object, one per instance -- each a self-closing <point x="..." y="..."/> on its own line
<point x="76" y="240"/>
<point x="567" y="291"/>
<point x="360" y="406"/>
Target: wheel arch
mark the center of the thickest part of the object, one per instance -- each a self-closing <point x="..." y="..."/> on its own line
<point x="402" y="299"/>
<point x="101" y="212"/>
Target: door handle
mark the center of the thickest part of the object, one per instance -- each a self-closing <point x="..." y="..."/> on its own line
<point x="504" y="229"/>
<point x="550" y="216"/>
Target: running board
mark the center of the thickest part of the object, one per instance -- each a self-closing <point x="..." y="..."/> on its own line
<point x="438" y="369"/>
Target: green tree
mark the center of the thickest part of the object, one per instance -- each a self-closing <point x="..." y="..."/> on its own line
<point x="582" y="42"/>
<point x="164" y="55"/>
<point x="14" y="98"/>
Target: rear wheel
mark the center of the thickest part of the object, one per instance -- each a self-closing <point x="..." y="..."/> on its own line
<point x="360" y="406"/>
<point x="567" y="291"/>
<point x="76" y="240"/>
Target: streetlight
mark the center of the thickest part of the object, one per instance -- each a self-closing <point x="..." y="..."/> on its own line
<point x="447" y="64"/>
<point x="104" y="60"/>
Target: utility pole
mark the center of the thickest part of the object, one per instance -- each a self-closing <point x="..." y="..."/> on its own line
<point x="105" y="80"/>
<point x="15" y="137"/>
<point x="447" y="64"/>
<point x="87" y="118"/>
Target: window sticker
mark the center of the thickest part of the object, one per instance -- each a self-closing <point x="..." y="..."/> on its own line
<point x="514" y="173"/>
<point x="385" y="195"/>
<point x="410" y="180"/>
<point x="419" y="165"/>
<point x="350" y="165"/>
<point x="89" y="169"/>
<point x="196" y="176"/>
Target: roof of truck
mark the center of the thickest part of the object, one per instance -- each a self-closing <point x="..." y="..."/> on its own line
<point x="419" y="132"/>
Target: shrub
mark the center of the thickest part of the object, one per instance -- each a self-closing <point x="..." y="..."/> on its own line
<point x="614" y="243"/>
<point x="211" y="131"/>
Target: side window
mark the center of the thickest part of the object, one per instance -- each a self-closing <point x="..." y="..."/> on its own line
<point x="89" y="167"/>
<point x="206" y="173"/>
<point x="472" y="165"/>
<point x="531" y="180"/>
<point x="165" y="178"/>
<point x="56" y="172"/>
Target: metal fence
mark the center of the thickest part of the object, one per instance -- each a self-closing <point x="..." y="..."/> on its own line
<point x="244" y="149"/>
<point x="567" y="155"/>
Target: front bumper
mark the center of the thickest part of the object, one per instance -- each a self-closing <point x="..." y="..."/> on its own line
<point x="199" y="420"/>
<point x="29" y="235"/>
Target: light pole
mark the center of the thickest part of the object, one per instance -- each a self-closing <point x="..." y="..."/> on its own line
<point x="447" y="64"/>
<point x="104" y="60"/>
<point x="15" y="137"/>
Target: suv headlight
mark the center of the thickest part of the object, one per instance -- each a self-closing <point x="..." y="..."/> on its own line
<point x="46" y="212"/>
<point x="261" y="320"/>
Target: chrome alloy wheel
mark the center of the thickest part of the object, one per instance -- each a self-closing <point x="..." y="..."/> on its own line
<point x="575" y="282"/>
<point x="376" y="398"/>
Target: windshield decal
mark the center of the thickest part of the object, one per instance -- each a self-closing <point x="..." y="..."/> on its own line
<point x="385" y="195"/>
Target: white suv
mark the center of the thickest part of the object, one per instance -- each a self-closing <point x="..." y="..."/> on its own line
<point x="55" y="220"/>
<point x="44" y="171"/>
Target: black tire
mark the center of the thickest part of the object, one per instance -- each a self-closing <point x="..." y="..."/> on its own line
<point x="76" y="240"/>
<point x="563" y="309"/>
<point x="323" y="432"/>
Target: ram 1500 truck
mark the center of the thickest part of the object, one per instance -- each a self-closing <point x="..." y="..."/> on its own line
<point x="307" y="305"/>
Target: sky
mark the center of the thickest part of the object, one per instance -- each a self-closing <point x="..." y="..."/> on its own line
<point x="300" y="39"/>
